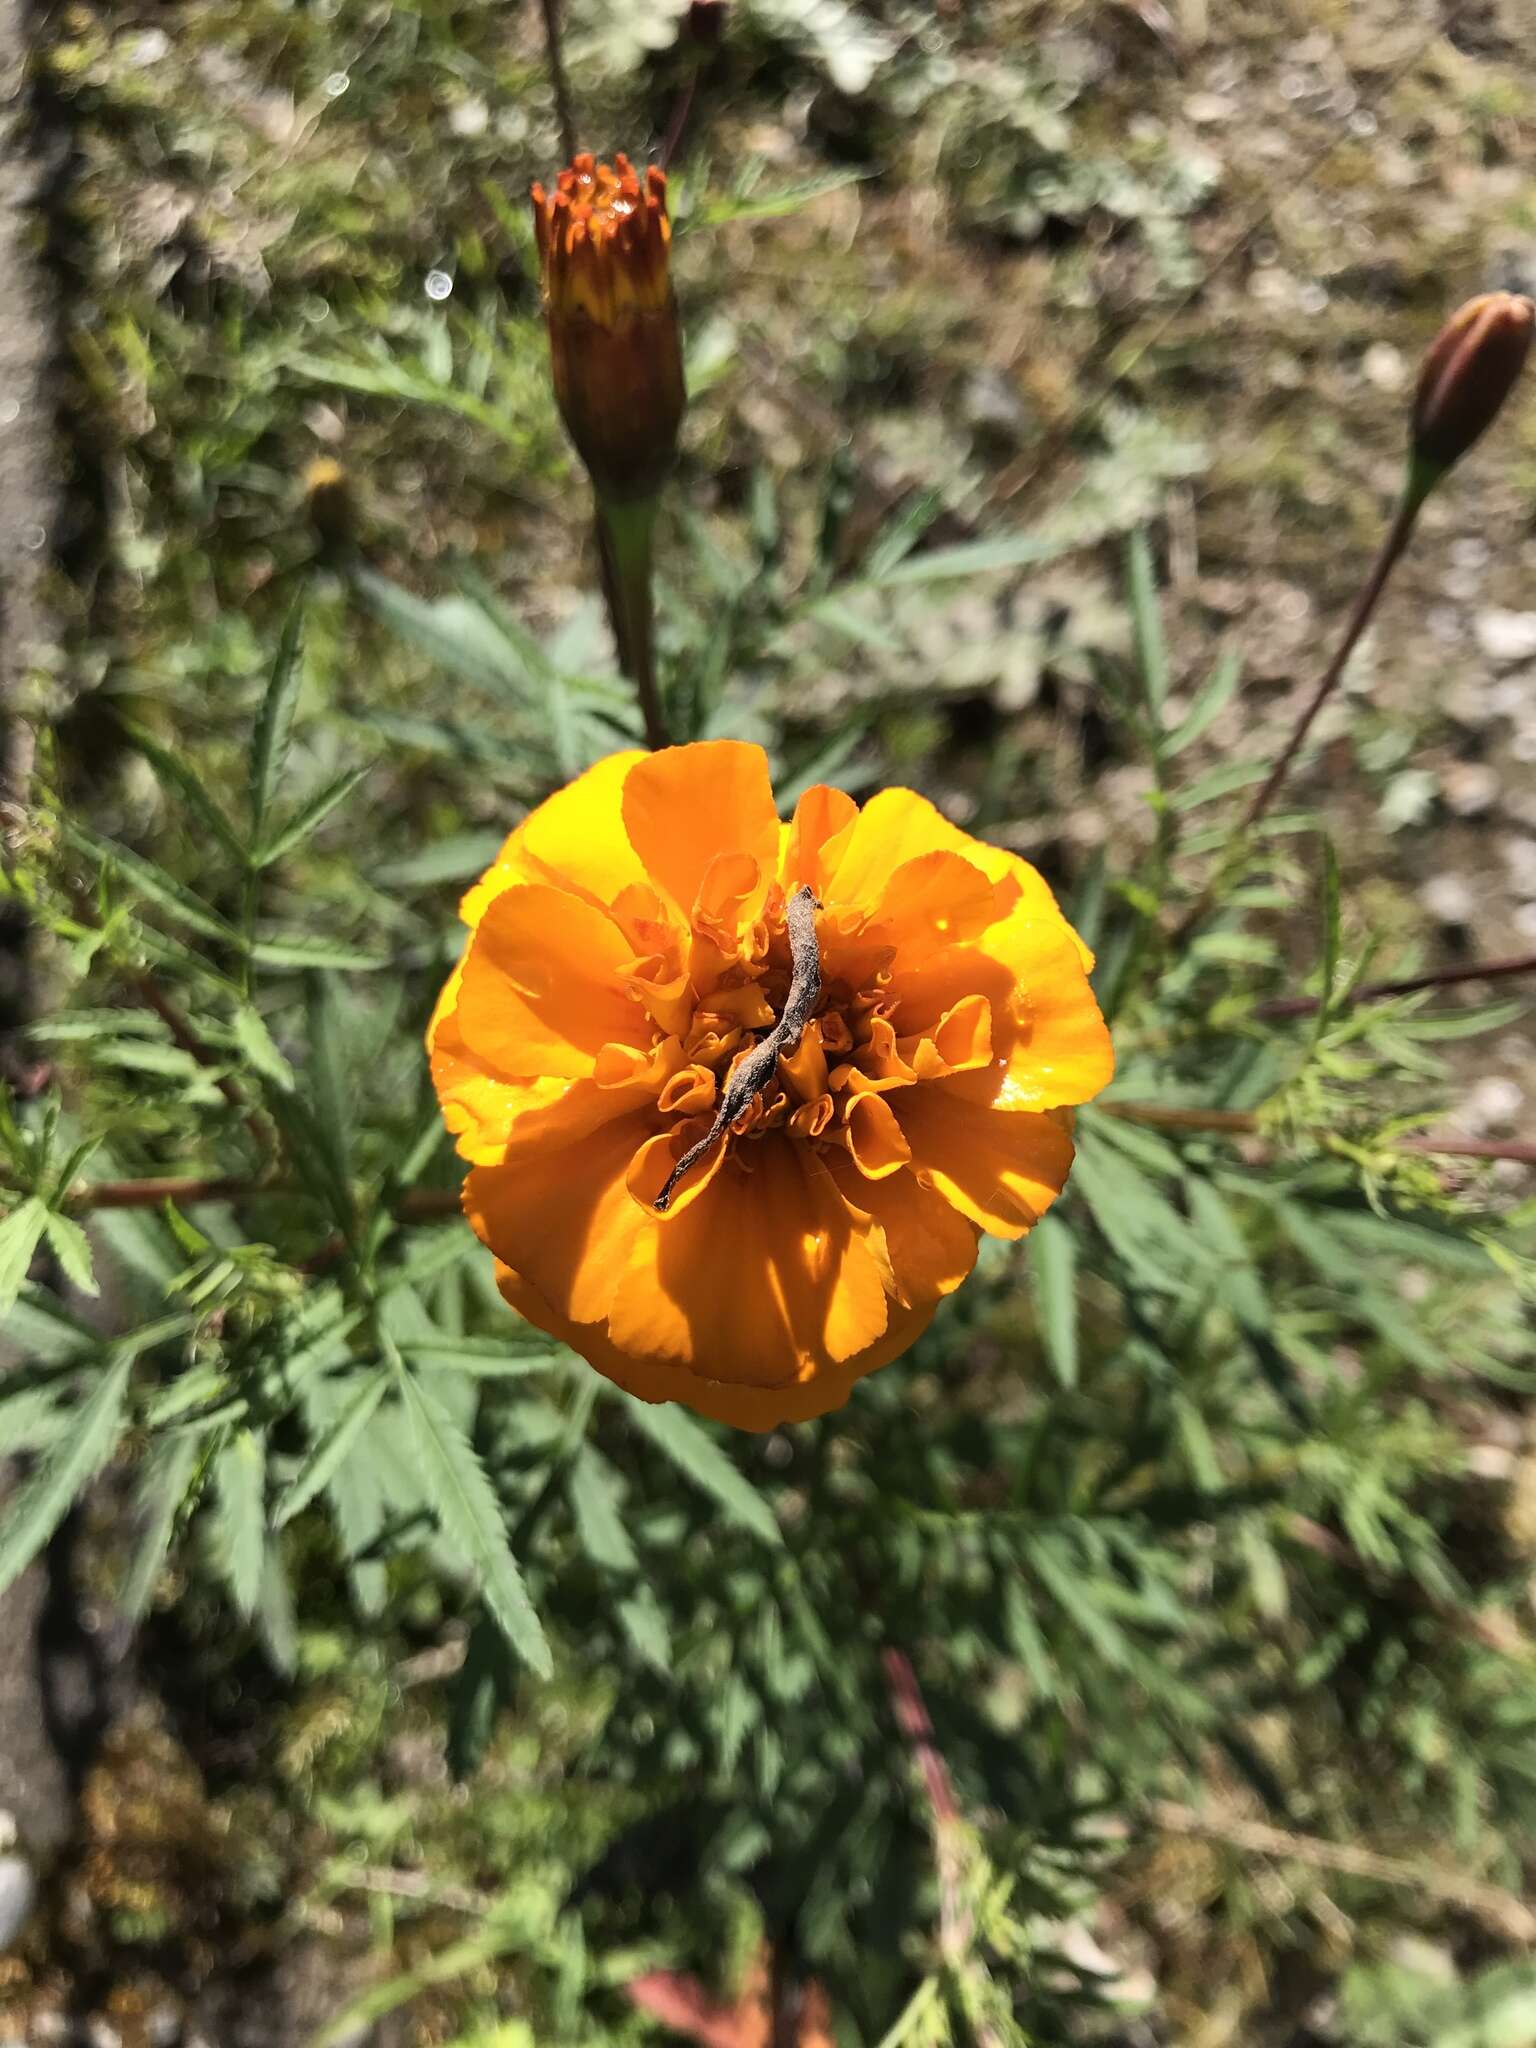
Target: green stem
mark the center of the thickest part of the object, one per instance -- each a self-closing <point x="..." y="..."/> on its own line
<point x="626" y="536"/>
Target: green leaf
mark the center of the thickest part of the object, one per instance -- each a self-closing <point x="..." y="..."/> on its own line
<point x="484" y="1358"/>
<point x="455" y="859"/>
<point x="43" y="1501"/>
<point x="189" y="785"/>
<point x="970" y="558"/>
<point x="72" y="1249"/>
<point x="240" y="1476"/>
<point x="328" y="1075"/>
<point x="152" y="882"/>
<point x="255" y="1041"/>
<point x="470" y="1517"/>
<point x="1146" y="620"/>
<point x="1053" y="1254"/>
<point x="20" y="1233"/>
<point x="274" y="723"/>
<point x="328" y="1450"/>
<point x="162" y="1489"/>
<point x="701" y="1459"/>
<point x="592" y="1485"/>
<point x="1211" y="699"/>
<point x="311" y="816"/>
<point x="772" y="205"/>
<point x="481" y="1686"/>
<point x="1331" y="937"/>
<point x="299" y="950"/>
<point x="274" y="1610"/>
<point x="642" y="1620"/>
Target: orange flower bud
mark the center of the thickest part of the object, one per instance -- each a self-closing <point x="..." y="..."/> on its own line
<point x="1470" y="370"/>
<point x="613" y="336"/>
<point x="328" y="501"/>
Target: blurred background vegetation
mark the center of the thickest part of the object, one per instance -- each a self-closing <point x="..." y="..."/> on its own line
<point x="1049" y="367"/>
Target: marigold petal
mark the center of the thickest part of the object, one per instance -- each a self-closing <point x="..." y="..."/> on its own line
<point x="561" y="1210"/>
<point x="684" y="806"/>
<point x="743" y="1407"/>
<point x="1001" y="1168"/>
<point x="820" y="815"/>
<point x="875" y="1136"/>
<point x="895" y="826"/>
<point x="543" y="988"/>
<point x="575" y="838"/>
<point x="929" y="1246"/>
<point x="936" y="900"/>
<point x="764" y="1279"/>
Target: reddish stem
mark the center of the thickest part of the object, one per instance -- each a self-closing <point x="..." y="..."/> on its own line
<point x="1413" y="984"/>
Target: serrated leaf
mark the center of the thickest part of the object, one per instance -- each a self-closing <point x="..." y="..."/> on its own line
<point x="772" y="205"/>
<point x="1053" y="1254"/>
<point x="592" y="1486"/>
<point x="153" y="882"/>
<point x="701" y="1459"/>
<point x="162" y="1488"/>
<point x="470" y="1517"/>
<point x="274" y="1610"/>
<point x="970" y="558"/>
<point x="480" y="1687"/>
<point x="255" y="1041"/>
<point x="296" y="950"/>
<point x="239" y="1477"/>
<point x="36" y="1510"/>
<point x="330" y="1448"/>
<point x="20" y="1233"/>
<point x="189" y="786"/>
<point x="72" y="1249"/>
<point x="312" y="815"/>
<point x="1211" y="699"/>
<point x="328" y="1076"/>
<point x="455" y="859"/>
<point x="739" y="1710"/>
<point x="642" y="1620"/>
<point x="274" y="722"/>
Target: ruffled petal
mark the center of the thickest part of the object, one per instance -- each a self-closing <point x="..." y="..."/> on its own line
<point x="743" y="1407"/>
<point x="820" y="815"/>
<point x="574" y="838"/>
<point x="561" y="1210"/>
<point x="685" y="805"/>
<point x="543" y="988"/>
<point x="765" y="1279"/>
<point x="929" y="1246"/>
<point x="1001" y="1168"/>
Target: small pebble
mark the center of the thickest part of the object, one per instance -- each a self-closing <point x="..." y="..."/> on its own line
<point x="18" y="1895"/>
<point x="1384" y="366"/>
<point x="1470" y="788"/>
<point x="1448" y="900"/>
<point x="1507" y="637"/>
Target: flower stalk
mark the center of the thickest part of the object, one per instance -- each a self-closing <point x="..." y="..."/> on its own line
<point x="626" y="535"/>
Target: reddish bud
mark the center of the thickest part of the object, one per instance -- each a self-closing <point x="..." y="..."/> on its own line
<point x="705" y="23"/>
<point x="328" y="501"/>
<point x="1470" y="370"/>
<point x="614" y="347"/>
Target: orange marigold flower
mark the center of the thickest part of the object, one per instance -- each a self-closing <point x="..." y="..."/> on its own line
<point x="613" y="340"/>
<point x="633" y="945"/>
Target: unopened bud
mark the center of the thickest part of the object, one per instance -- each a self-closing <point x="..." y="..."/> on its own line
<point x="614" y="347"/>
<point x="1471" y="368"/>
<point x="705" y="23"/>
<point x="328" y="501"/>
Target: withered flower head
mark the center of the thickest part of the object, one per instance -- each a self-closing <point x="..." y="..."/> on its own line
<point x="614" y="346"/>
<point x="1469" y="372"/>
